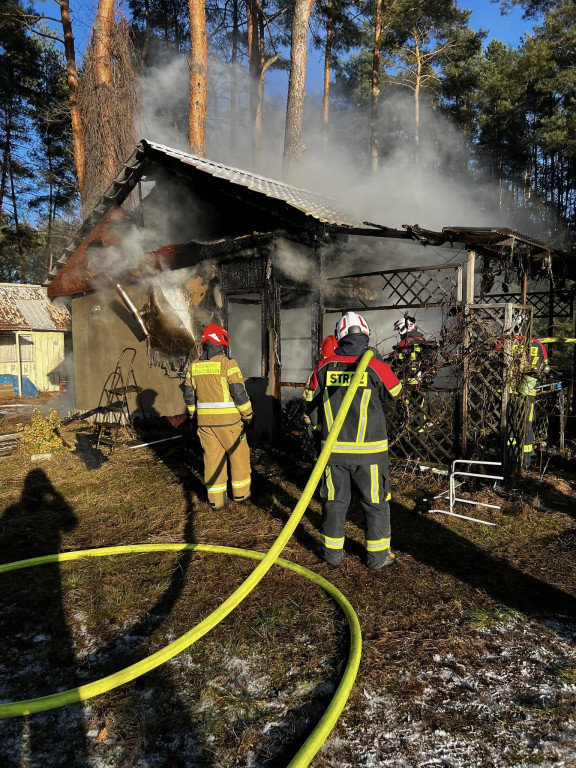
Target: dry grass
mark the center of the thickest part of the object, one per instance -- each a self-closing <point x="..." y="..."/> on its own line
<point x="464" y="606"/>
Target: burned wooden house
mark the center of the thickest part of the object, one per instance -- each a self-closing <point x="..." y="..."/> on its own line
<point x="178" y="241"/>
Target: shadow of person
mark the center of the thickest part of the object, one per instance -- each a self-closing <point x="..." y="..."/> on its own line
<point x="36" y="649"/>
<point x="145" y="407"/>
<point x="433" y="544"/>
<point x="153" y="719"/>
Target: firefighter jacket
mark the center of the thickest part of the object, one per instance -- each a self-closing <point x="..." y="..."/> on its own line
<point x="214" y="390"/>
<point x="538" y="355"/>
<point x="363" y="437"/>
<point x="407" y="356"/>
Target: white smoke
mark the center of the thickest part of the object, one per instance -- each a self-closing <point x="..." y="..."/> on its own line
<point x="293" y="260"/>
<point x="429" y="183"/>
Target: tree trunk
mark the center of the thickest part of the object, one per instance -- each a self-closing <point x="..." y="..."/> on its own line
<point x="101" y="42"/>
<point x="417" y="84"/>
<point x="198" y="62"/>
<point x="375" y="87"/>
<point x="148" y="30"/>
<point x="234" y="76"/>
<point x="257" y="135"/>
<point x="327" y="71"/>
<point x="102" y="51"/>
<point x="5" y="155"/>
<point x="294" y="145"/>
<point x="253" y="27"/>
<point x="23" y="270"/>
<point x="72" y="78"/>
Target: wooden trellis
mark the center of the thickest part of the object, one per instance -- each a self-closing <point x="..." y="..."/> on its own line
<point x="479" y="412"/>
<point x="409" y="288"/>
<point x="423" y="426"/>
<point x="495" y="352"/>
<point x="545" y="304"/>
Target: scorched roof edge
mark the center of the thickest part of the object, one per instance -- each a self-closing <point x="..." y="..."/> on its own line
<point x="315" y="206"/>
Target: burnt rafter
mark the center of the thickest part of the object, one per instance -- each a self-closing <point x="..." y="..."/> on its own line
<point x="256" y="203"/>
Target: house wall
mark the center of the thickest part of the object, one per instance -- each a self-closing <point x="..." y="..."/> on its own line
<point x="42" y="357"/>
<point x="102" y="328"/>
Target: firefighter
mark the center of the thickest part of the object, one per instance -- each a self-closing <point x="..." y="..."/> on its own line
<point x="328" y="346"/>
<point x="408" y="352"/>
<point x="361" y="452"/>
<point x="214" y="392"/>
<point x="327" y="349"/>
<point x="407" y="363"/>
<point x="537" y="367"/>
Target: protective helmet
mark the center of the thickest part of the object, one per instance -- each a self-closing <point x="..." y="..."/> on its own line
<point x="405" y="325"/>
<point x="351" y="323"/>
<point x="215" y="334"/>
<point x="328" y="346"/>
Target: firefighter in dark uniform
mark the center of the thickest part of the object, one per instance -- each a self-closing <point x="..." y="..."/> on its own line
<point x="361" y="451"/>
<point x="537" y="366"/>
<point x="214" y="392"/>
<point x="408" y="352"/>
<point x="407" y="364"/>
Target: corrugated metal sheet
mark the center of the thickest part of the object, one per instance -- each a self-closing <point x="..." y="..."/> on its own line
<point x="321" y="208"/>
<point x="28" y="308"/>
<point x="35" y="314"/>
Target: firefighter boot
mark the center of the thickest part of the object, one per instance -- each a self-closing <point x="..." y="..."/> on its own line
<point x="388" y="560"/>
<point x="218" y="506"/>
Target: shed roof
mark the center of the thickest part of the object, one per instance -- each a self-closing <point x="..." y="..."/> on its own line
<point x="28" y="308"/>
<point x="295" y="209"/>
<point x="320" y="208"/>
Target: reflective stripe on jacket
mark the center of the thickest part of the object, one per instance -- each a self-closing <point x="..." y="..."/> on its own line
<point x="214" y="391"/>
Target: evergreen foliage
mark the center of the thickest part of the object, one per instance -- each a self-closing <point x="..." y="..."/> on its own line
<point x="513" y="109"/>
<point x="37" y="185"/>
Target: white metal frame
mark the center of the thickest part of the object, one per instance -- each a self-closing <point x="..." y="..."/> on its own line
<point x="452" y="498"/>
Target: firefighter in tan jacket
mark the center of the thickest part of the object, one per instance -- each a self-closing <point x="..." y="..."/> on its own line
<point x="214" y="392"/>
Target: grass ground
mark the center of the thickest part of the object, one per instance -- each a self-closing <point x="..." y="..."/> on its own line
<point x="468" y="655"/>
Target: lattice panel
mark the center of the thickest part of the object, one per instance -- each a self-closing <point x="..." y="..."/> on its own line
<point x="423" y="287"/>
<point x="542" y="415"/>
<point x="549" y="412"/>
<point x="401" y="289"/>
<point x="421" y="426"/>
<point x="562" y="303"/>
<point x="495" y="355"/>
<point x="515" y="430"/>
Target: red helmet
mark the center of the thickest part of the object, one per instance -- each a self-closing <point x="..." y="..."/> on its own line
<point x="328" y="346"/>
<point x="215" y="334"/>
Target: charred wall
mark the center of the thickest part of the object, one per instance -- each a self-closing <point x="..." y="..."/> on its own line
<point x="102" y="327"/>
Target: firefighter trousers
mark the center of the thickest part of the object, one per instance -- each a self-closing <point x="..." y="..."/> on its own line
<point x="222" y="445"/>
<point x="529" y="432"/>
<point x="374" y="487"/>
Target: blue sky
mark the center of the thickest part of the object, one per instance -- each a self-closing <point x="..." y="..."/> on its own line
<point x="486" y="15"/>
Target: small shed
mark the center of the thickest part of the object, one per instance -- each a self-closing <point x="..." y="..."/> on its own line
<point x="35" y="337"/>
<point x="178" y="241"/>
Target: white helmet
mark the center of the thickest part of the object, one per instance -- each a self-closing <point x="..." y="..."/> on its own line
<point x="351" y="323"/>
<point x="404" y="325"/>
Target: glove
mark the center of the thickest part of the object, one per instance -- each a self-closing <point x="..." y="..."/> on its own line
<point x="247" y="422"/>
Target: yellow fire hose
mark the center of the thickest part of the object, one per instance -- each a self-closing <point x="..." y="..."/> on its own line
<point x="330" y="716"/>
